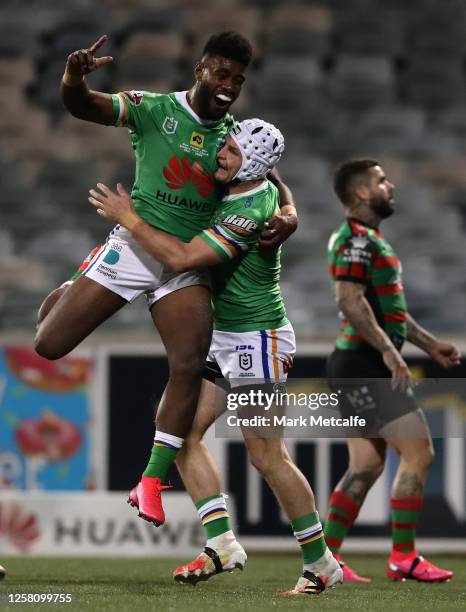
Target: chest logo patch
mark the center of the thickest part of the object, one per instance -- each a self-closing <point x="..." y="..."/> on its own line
<point x="197" y="140"/>
<point x="169" y="125"/>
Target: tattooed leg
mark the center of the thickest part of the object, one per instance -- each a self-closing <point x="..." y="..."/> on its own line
<point x="367" y="460"/>
<point x="416" y="453"/>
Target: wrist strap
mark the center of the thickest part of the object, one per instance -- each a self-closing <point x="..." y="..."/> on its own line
<point x="130" y="220"/>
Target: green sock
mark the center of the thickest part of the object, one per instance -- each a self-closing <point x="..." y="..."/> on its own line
<point x="308" y="532"/>
<point x="214" y="515"/>
<point x="163" y="454"/>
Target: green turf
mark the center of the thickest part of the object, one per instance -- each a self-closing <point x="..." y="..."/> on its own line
<point x="144" y="585"/>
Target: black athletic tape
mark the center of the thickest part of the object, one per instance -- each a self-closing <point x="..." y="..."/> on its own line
<point x="316" y="580"/>
<point x="210" y="552"/>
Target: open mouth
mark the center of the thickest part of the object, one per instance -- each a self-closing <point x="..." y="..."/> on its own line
<point x="223" y="99"/>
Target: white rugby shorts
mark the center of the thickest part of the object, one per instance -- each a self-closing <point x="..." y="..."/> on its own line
<point x="257" y="357"/>
<point x="125" y="268"/>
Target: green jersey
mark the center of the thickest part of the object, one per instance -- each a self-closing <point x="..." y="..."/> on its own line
<point x="360" y="254"/>
<point x="246" y="290"/>
<point x="174" y="188"/>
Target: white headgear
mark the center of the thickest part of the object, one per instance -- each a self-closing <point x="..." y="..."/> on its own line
<point x="261" y="145"/>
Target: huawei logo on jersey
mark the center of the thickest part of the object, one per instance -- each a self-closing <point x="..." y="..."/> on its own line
<point x="18" y="525"/>
<point x="180" y="172"/>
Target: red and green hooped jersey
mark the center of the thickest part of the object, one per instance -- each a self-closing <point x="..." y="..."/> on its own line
<point x="359" y="253"/>
<point x="174" y="188"/>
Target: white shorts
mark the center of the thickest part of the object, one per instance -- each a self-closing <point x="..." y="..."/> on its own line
<point x="256" y="357"/>
<point x="125" y="268"/>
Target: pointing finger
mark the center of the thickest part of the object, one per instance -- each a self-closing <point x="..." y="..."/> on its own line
<point x="98" y="43"/>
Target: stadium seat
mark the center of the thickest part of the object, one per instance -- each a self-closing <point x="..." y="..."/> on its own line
<point x="298" y="30"/>
<point x="201" y="24"/>
<point x="359" y="83"/>
<point x="145" y="69"/>
<point x="433" y="84"/>
<point x="142" y="44"/>
<point x="281" y="84"/>
<point x="151" y="20"/>
<point x="366" y="31"/>
<point x="397" y="130"/>
<point x="437" y="31"/>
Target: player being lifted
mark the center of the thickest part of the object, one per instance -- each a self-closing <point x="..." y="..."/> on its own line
<point x="175" y="139"/>
<point x="248" y="310"/>
<point x="375" y="324"/>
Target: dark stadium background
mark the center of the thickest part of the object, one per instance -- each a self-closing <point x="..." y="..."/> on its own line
<point x="341" y="78"/>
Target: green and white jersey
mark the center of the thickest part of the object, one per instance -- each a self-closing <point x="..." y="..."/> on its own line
<point x="246" y="289"/>
<point x="174" y="188"/>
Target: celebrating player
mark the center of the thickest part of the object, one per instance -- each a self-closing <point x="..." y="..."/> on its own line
<point x="375" y="324"/>
<point x="175" y="138"/>
<point x="248" y="311"/>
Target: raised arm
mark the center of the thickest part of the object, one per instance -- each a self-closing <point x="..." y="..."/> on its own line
<point x="353" y="304"/>
<point x="280" y="227"/>
<point x="177" y="255"/>
<point x="444" y="353"/>
<point x="81" y="101"/>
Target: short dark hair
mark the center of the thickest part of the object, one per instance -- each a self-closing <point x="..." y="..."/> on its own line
<point x="230" y="45"/>
<point x="343" y="178"/>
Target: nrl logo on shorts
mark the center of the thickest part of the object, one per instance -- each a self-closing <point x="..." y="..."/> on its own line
<point x="169" y="125"/>
<point x="245" y="361"/>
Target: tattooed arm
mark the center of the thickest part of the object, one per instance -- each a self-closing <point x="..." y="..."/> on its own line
<point x="444" y="353"/>
<point x="352" y="302"/>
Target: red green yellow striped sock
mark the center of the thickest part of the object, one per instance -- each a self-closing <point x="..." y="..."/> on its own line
<point x="214" y="515"/>
<point x="405" y="514"/>
<point x="342" y="513"/>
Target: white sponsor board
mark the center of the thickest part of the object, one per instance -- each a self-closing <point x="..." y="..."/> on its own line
<point x="75" y="524"/>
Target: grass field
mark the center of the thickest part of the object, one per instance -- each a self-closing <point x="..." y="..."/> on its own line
<point x="134" y="585"/>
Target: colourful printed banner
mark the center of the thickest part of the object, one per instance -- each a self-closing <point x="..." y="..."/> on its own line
<point x="45" y="419"/>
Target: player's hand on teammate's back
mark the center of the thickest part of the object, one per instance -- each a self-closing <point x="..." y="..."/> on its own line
<point x="279" y="229"/>
<point x="401" y="375"/>
<point x="84" y="61"/>
<point x="446" y="354"/>
<point x="116" y="207"/>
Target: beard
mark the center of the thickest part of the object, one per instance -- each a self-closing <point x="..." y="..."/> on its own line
<point x="382" y="207"/>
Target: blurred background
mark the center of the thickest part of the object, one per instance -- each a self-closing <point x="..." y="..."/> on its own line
<point x="341" y="78"/>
